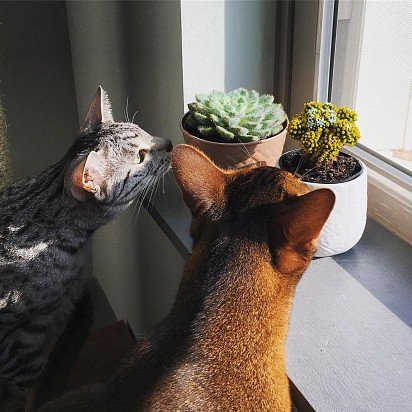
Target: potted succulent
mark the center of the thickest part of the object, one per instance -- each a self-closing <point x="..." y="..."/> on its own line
<point x="322" y="129"/>
<point x="236" y="129"/>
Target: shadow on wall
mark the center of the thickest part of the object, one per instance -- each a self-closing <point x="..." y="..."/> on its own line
<point x="37" y="87"/>
<point x="125" y="51"/>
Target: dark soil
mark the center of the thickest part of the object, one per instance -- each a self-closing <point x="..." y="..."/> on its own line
<point x="343" y="169"/>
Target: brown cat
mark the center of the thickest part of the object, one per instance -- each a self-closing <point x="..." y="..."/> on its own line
<point x="222" y="347"/>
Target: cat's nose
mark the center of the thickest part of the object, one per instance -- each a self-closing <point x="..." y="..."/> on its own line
<point x="166" y="145"/>
<point x="162" y="144"/>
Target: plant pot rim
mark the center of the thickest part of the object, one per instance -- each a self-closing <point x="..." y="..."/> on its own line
<point x="231" y="144"/>
<point x="348" y="180"/>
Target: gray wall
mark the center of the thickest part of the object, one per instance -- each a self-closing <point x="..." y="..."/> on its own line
<point x="36" y="83"/>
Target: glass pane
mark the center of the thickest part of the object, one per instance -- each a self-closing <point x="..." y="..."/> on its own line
<point x="373" y="73"/>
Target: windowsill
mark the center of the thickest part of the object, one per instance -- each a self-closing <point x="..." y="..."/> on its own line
<point x="349" y="340"/>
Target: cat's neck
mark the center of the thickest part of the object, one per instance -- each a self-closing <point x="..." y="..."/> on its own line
<point x="242" y="309"/>
<point x="46" y="202"/>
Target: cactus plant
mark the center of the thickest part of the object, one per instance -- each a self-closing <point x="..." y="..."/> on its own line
<point x="322" y="129"/>
<point x="240" y="115"/>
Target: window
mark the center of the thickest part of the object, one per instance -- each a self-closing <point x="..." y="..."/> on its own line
<point x="363" y="60"/>
<point x="372" y="73"/>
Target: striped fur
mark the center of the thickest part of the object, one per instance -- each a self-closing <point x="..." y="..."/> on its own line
<point x="43" y="231"/>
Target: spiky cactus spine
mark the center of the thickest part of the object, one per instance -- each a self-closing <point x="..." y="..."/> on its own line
<point x="240" y="115"/>
<point x="322" y="129"/>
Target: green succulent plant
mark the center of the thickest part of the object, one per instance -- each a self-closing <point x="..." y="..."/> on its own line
<point x="238" y="115"/>
<point x="322" y="129"/>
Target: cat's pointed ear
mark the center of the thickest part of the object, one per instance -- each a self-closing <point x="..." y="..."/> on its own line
<point x="99" y="112"/>
<point x="88" y="176"/>
<point x="303" y="219"/>
<point x="200" y="180"/>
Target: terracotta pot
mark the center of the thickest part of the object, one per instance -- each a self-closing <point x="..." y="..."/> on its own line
<point x="237" y="155"/>
<point x="346" y="223"/>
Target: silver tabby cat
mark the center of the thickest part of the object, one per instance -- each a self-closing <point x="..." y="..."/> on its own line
<point x="46" y="220"/>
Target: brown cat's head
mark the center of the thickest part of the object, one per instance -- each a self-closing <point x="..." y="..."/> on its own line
<point x="112" y="162"/>
<point x="264" y="207"/>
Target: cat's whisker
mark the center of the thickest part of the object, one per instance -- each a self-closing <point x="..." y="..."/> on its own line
<point x="148" y="200"/>
<point x="153" y="192"/>
<point x="302" y="160"/>
<point x="139" y="198"/>
<point x="102" y="219"/>
<point x="136" y="210"/>
<point x="308" y="173"/>
<point x="143" y="195"/>
<point x="297" y="167"/>
<point x="134" y="114"/>
<point x="245" y="151"/>
<point x="154" y="186"/>
<point x="126" y="110"/>
<point x="305" y="176"/>
<point x="136" y="203"/>
<point x="157" y="184"/>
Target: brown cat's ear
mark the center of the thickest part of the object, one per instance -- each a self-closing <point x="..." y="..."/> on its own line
<point x="303" y="219"/>
<point x="88" y="176"/>
<point x="100" y="111"/>
<point x="200" y="180"/>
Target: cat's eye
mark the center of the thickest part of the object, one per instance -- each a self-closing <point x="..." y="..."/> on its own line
<point x="141" y="156"/>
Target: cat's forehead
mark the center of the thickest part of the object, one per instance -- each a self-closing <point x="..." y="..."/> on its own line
<point x="127" y="131"/>
<point x="123" y="136"/>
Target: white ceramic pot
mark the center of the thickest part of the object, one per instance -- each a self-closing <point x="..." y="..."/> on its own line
<point x="346" y="223"/>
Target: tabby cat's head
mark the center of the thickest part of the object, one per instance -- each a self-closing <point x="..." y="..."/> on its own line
<point x="253" y="213"/>
<point x="110" y="162"/>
